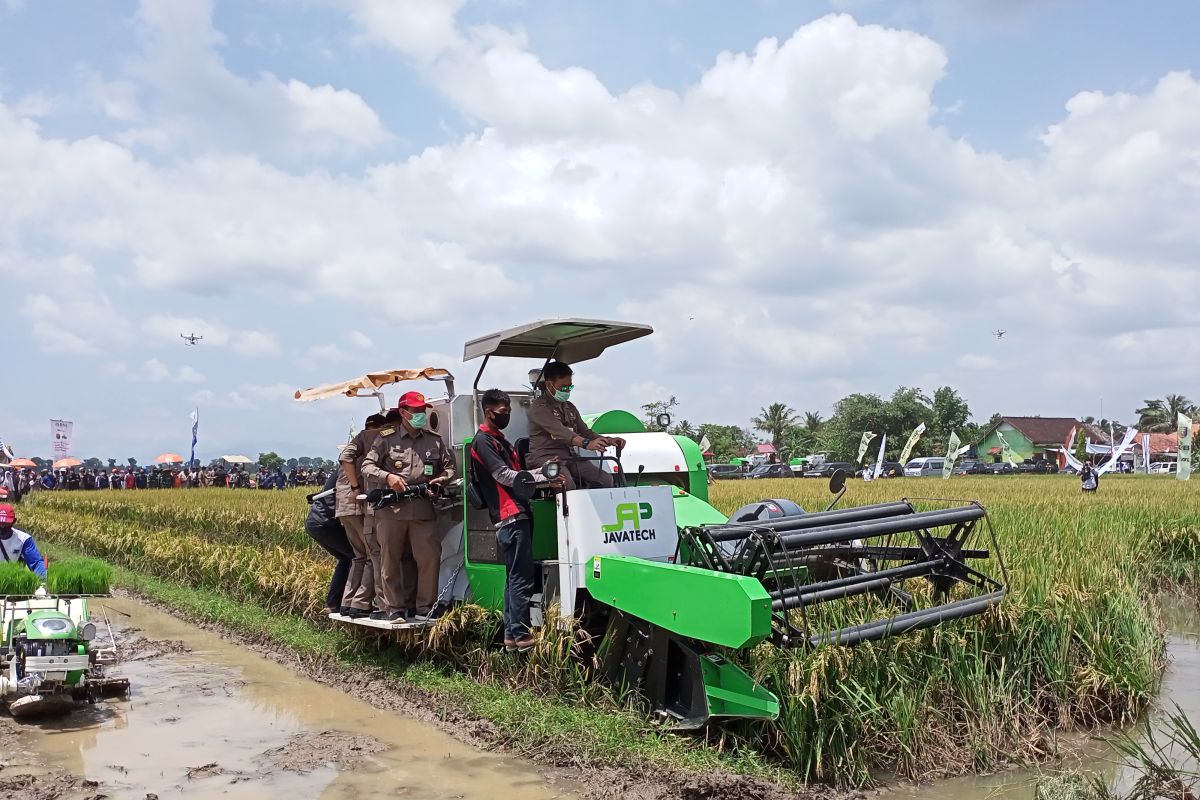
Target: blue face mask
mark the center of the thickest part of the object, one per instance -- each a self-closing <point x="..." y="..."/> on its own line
<point x="563" y="394"/>
<point x="418" y="420"/>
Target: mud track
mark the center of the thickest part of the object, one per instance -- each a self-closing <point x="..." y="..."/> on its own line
<point x="601" y="781"/>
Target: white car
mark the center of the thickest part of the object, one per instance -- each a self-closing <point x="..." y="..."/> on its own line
<point x="1164" y="468"/>
<point x="924" y="467"/>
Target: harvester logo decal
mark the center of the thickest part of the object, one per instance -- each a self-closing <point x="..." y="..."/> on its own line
<point x="628" y="525"/>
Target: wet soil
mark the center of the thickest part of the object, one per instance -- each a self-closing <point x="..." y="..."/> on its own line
<point x="208" y="716"/>
<point x="559" y="764"/>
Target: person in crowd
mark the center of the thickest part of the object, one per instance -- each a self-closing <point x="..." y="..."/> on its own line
<point x="355" y="516"/>
<point x="494" y="471"/>
<point x="327" y="531"/>
<point x="49" y="479"/>
<point x="556" y="426"/>
<point x="1089" y="478"/>
<point x="17" y="545"/>
<point x="410" y="547"/>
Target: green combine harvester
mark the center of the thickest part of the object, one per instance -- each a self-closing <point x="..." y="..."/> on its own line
<point x="49" y="657"/>
<point x="673" y="586"/>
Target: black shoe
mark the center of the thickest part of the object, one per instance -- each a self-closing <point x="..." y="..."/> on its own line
<point x="391" y="616"/>
<point x="431" y="615"/>
<point x="356" y="613"/>
<point x="377" y="614"/>
<point x="410" y="613"/>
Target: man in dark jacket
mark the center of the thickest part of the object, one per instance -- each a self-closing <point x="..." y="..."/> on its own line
<point x="326" y="531"/>
<point x="497" y="476"/>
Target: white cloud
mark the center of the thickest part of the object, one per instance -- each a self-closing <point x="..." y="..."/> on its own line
<point x="203" y="104"/>
<point x="360" y="340"/>
<point x="154" y="371"/>
<point x="69" y="314"/>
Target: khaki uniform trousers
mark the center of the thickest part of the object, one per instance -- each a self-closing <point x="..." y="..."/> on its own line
<point x="411" y="560"/>
<point x="360" y="583"/>
<point x="585" y="475"/>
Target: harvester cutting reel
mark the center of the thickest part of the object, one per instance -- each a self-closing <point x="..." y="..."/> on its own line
<point x="808" y="560"/>
<point x="774" y="573"/>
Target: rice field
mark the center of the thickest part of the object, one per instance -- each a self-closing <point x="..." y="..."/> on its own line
<point x="1078" y="644"/>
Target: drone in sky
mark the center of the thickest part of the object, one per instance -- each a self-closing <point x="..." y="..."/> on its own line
<point x="999" y="334"/>
<point x="191" y="339"/>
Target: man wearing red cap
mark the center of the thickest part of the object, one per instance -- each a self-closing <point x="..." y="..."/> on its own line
<point x="17" y="545"/>
<point x="409" y="543"/>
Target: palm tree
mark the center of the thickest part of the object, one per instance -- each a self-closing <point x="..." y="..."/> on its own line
<point x="774" y="420"/>
<point x="812" y="421"/>
<point x="684" y="428"/>
<point x="1160" y="416"/>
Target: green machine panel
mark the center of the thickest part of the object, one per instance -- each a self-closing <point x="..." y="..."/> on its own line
<point x="716" y="607"/>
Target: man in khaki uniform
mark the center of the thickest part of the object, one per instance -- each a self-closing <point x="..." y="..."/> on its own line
<point x="410" y="546"/>
<point x="556" y="426"/>
<point x="360" y="583"/>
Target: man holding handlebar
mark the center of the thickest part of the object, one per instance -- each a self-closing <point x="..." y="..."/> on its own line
<point x="556" y="426"/>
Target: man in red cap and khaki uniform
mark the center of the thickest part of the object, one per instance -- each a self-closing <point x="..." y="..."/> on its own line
<point x="410" y="546"/>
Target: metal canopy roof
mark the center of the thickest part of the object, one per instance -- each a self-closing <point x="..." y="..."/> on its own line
<point x="569" y="340"/>
<point x="370" y="384"/>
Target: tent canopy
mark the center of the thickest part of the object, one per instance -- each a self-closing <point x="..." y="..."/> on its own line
<point x="237" y="459"/>
<point x="567" y="339"/>
<point x="369" y="385"/>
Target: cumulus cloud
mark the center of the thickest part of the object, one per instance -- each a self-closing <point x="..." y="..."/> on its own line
<point x="202" y="104"/>
<point x="796" y="220"/>
<point x="154" y="371"/>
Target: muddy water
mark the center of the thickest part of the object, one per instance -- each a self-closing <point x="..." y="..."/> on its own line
<point x="1180" y="687"/>
<point x="204" y="724"/>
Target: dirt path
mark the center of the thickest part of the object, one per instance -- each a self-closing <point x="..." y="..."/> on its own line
<point x="558" y="767"/>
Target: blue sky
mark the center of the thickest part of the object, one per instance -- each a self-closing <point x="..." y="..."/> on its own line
<point x="326" y="187"/>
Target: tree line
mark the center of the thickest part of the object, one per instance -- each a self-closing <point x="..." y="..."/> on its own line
<point x="795" y="433"/>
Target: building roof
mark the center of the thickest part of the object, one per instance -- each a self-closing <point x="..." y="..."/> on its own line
<point x="765" y="449"/>
<point x="1039" y="430"/>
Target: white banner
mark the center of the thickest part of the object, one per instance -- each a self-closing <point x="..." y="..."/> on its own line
<point x="60" y="433"/>
<point x="1146" y="451"/>
<point x="1126" y="443"/>
<point x="1185" y="449"/>
<point x="879" y="463"/>
<point x="1006" y="448"/>
<point x="705" y="445"/>
<point x="1072" y="462"/>
<point x="6" y="450"/>
<point x="951" y="454"/>
<point x="862" y="446"/>
<point x="911" y="443"/>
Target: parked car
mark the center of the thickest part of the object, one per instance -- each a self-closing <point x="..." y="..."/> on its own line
<point x="1001" y="468"/>
<point x="1164" y="468"/>
<point x="889" y="469"/>
<point x="971" y="467"/>
<point x="770" y="471"/>
<point x="1036" y="466"/>
<point x="924" y="467"/>
<point x="726" y="472"/>
<point x="827" y="469"/>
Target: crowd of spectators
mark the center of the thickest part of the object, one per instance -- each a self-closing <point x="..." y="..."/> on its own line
<point x="15" y="483"/>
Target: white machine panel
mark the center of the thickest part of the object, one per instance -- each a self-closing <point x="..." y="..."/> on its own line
<point x="620" y="522"/>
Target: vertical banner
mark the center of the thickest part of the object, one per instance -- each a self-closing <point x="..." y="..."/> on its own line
<point x="1112" y="462"/>
<point x="6" y="451"/>
<point x="954" y="450"/>
<point x="1006" y="448"/>
<point x="879" y="461"/>
<point x="195" y="436"/>
<point x="1146" y="452"/>
<point x="911" y="443"/>
<point x="1185" y="448"/>
<point x="862" y="446"/>
<point x="60" y="434"/>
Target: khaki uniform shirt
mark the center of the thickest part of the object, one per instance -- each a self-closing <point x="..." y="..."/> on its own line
<point x="552" y="426"/>
<point x="417" y="458"/>
<point x="354" y="453"/>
